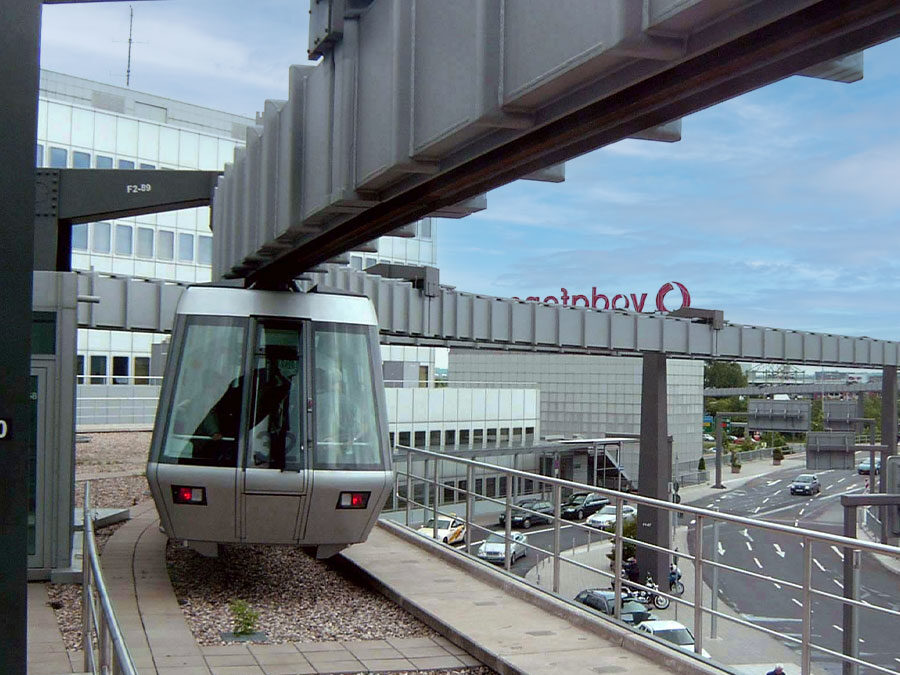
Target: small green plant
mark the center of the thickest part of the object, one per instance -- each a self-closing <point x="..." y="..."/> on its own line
<point x="701" y="465"/>
<point x="245" y="617"/>
<point x="777" y="454"/>
<point x="735" y="459"/>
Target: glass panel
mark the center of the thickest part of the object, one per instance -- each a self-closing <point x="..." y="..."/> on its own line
<point x="185" y="247"/>
<point x="205" y="414"/>
<point x="81" y="160"/>
<point x="98" y="369"/>
<point x="103" y="162"/>
<point x="147" y="166"/>
<point x="347" y="435"/>
<point x="165" y="245"/>
<point x="79" y="368"/>
<point x="120" y="370"/>
<point x="276" y="438"/>
<point x="425" y="229"/>
<point x="79" y="237"/>
<point x="141" y="370"/>
<point x="420" y="439"/>
<point x="58" y="158"/>
<point x="123" y="239"/>
<point x="32" y="468"/>
<point x="126" y="164"/>
<point x="43" y="332"/>
<point x="39" y="156"/>
<point x="144" y="247"/>
<point x="100" y="242"/>
<point x="204" y="250"/>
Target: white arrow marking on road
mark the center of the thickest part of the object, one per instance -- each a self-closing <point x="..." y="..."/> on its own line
<point x="746" y="534"/>
<point x="838" y="583"/>
<point x="800" y="512"/>
<point x="838" y="551"/>
<point x="778" y="550"/>
<point x="797" y="602"/>
<point x="758" y="564"/>
<point x="721" y="549"/>
<point x="819" y="565"/>
<point x="778" y="586"/>
<point x="749" y="547"/>
<point x="836" y="627"/>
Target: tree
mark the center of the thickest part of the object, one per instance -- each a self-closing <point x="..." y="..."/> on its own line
<point x="817" y="415"/>
<point x="721" y="374"/>
<point x="729" y="404"/>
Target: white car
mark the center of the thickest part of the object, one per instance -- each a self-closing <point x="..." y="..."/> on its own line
<point x="673" y="632"/>
<point x="449" y="530"/>
<point x="709" y="438"/>
<point x="494" y="547"/>
<point x="606" y="517"/>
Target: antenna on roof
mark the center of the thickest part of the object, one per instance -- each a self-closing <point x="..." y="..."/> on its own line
<point x="130" y="28"/>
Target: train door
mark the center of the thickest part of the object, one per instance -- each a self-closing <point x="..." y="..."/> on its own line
<point x="275" y="463"/>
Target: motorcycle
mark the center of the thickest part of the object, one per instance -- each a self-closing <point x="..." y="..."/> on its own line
<point x="676" y="587"/>
<point x="649" y="597"/>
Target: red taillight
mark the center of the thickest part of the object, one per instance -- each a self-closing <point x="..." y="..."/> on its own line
<point x="353" y="500"/>
<point x="182" y="494"/>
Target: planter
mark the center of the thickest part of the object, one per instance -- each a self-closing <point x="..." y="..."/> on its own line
<point x="735" y="469"/>
<point x="776" y="462"/>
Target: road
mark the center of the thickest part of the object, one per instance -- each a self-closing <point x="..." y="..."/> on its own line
<point x="777" y="606"/>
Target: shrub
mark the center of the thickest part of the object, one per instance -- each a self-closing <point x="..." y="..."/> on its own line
<point x="245" y="617"/>
<point x="777" y="453"/>
<point x="735" y="459"/>
<point x="701" y="465"/>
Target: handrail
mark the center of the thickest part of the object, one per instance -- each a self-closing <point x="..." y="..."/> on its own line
<point x="703" y="519"/>
<point x="105" y="624"/>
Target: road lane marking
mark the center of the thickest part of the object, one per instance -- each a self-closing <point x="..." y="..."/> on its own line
<point x="838" y="551"/>
<point x="836" y="627"/>
<point x="772" y="482"/>
<point x="819" y="565"/>
<point x="749" y="547"/>
<point x="721" y="549"/>
<point x="758" y="564"/>
<point x="800" y="512"/>
<point x="778" y="550"/>
<point x="766" y="499"/>
<point x="756" y="510"/>
<point x="838" y="583"/>
<point x="841" y="480"/>
<point x="770" y="619"/>
<point x="797" y="602"/>
<point x="746" y="534"/>
<point x="778" y="586"/>
<point x="797" y="523"/>
<point x="709" y="506"/>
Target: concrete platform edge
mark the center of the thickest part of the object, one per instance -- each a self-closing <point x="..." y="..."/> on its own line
<point x="675" y="662"/>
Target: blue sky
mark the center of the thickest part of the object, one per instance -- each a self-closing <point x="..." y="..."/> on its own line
<point x="780" y="207"/>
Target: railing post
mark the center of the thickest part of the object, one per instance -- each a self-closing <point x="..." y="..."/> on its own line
<point x="557" y="494"/>
<point x="86" y="599"/>
<point x="469" y="508"/>
<point x="409" y="486"/>
<point x="807" y="606"/>
<point x="698" y="585"/>
<point x="617" y="566"/>
<point x="714" y="600"/>
<point x="508" y="523"/>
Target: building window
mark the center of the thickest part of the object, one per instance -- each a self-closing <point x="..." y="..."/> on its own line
<point x="185" y="247"/>
<point x="124" y="240"/>
<point x="423" y="376"/>
<point x="450" y="437"/>
<point x="58" y="158"/>
<point x="144" y="244"/>
<point x="98" y="370"/>
<point x="80" y="237"/>
<point x="165" y="245"/>
<point x="100" y="237"/>
<point x="204" y="250"/>
<point x="103" y="162"/>
<point x="39" y="156"/>
<point x="79" y="368"/>
<point x="420" y="439"/>
<point x="504" y="436"/>
<point x="479" y="486"/>
<point x="492" y="436"/>
<point x="404" y="438"/>
<point x="425" y="229"/>
<point x="355" y="262"/>
<point x="449" y="492"/>
<point x="147" y="166"/>
<point x="517" y="436"/>
<point x="463" y="436"/>
<point x="126" y="164"/>
<point x="501" y="486"/>
<point x="391" y="438"/>
<point x="81" y="160"/>
<point x="435" y="439"/>
<point x="142" y="370"/>
<point x="491" y="487"/>
<point x="478" y="437"/>
<point x="120" y="370"/>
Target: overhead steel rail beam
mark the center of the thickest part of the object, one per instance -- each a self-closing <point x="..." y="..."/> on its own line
<point x="450" y="318"/>
<point x="372" y="138"/>
<point x="820" y="388"/>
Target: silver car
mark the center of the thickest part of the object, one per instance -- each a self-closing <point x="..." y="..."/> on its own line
<point x="494" y="547"/>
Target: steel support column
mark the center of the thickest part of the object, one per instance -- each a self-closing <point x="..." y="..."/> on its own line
<point x="20" y="25"/>
<point x="655" y="468"/>
<point x="888" y="437"/>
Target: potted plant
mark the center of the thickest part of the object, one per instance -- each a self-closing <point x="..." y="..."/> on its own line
<point x="735" y="462"/>
<point x="777" y="456"/>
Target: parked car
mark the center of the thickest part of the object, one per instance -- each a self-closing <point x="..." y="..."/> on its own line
<point x="581" y="504"/>
<point x="864" y="467"/>
<point x="521" y="501"/>
<point x="450" y="530"/>
<point x="525" y="519"/>
<point x="673" y="632"/>
<point x="494" y="547"/>
<point x="604" y="601"/>
<point x="605" y="518"/>
<point x="709" y="438"/>
<point x="805" y="484"/>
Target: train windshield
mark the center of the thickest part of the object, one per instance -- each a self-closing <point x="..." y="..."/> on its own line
<point x="346" y="418"/>
<point x="204" y="427"/>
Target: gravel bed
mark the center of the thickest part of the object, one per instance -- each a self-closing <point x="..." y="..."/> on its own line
<point x="299" y="598"/>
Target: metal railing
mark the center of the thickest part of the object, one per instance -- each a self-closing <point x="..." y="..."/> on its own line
<point x="702" y="602"/>
<point x="108" y="652"/>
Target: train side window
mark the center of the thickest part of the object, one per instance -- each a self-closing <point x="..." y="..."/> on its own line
<point x="276" y="436"/>
<point x="346" y="419"/>
<point x="205" y="413"/>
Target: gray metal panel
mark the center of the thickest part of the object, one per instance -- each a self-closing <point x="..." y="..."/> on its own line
<point x="842" y="415"/>
<point x="778" y="415"/>
<point x="847" y="68"/>
<point x="831" y="441"/>
<point x="315" y="130"/>
<point x="271" y="147"/>
<point x="253" y="207"/>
